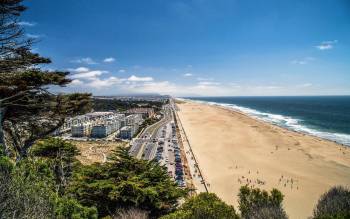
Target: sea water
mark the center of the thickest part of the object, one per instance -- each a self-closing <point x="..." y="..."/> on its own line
<point x="326" y="117"/>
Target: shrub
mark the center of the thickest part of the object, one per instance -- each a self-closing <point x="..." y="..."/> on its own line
<point x="126" y="182"/>
<point x="132" y="213"/>
<point x="60" y="156"/>
<point x="71" y="208"/>
<point x="25" y="194"/>
<point x="27" y="190"/>
<point x="204" y="206"/>
<point x="335" y="203"/>
<point x="270" y="212"/>
<point x="254" y="202"/>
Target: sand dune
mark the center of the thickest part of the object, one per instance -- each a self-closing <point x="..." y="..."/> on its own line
<point x="234" y="149"/>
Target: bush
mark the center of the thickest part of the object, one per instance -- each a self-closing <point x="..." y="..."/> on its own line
<point x="126" y="182"/>
<point x="54" y="148"/>
<point x="132" y="213"/>
<point x="270" y="212"/>
<point x="25" y="194"/>
<point x="204" y="206"/>
<point x="28" y="190"/>
<point x="72" y="209"/>
<point x="254" y="203"/>
<point x="60" y="156"/>
<point x="335" y="203"/>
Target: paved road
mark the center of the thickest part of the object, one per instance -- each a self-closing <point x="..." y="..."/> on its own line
<point x="145" y="147"/>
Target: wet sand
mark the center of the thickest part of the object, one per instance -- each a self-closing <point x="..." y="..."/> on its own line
<point x="234" y="149"/>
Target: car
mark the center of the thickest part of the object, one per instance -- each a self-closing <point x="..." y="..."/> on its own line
<point x="179" y="173"/>
<point x="182" y="184"/>
<point x="179" y="178"/>
<point x="170" y="149"/>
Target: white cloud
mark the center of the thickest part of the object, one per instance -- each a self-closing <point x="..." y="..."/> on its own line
<point x="87" y="60"/>
<point x="188" y="75"/>
<point x="135" y="78"/>
<point x="34" y="36"/>
<point x="208" y="83"/>
<point x="204" y="79"/>
<point x="326" y="45"/>
<point x="303" y="61"/>
<point x="26" y="23"/>
<point x="76" y="82"/>
<point x="89" y="75"/>
<point x="122" y="71"/>
<point x="104" y="83"/>
<point x="101" y="82"/>
<point x="300" y="62"/>
<point x="134" y="84"/>
<point x="109" y="60"/>
<point x="264" y="87"/>
<point x="79" y="69"/>
<point x="305" y="85"/>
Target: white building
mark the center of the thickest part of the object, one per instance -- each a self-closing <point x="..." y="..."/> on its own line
<point x="127" y="132"/>
<point x="81" y="130"/>
<point x="133" y="119"/>
<point x="101" y="131"/>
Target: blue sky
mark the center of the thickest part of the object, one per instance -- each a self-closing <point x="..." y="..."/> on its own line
<point x="196" y="47"/>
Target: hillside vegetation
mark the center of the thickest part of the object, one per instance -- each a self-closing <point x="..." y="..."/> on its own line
<point x="41" y="177"/>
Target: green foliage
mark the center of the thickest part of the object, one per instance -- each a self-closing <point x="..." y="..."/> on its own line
<point x="132" y="213"/>
<point x="146" y="122"/>
<point x="126" y="182"/>
<point x="60" y="155"/>
<point x="122" y="105"/>
<point x="54" y="148"/>
<point x="26" y="191"/>
<point x="204" y="206"/>
<point x="253" y="200"/>
<point x="112" y="104"/>
<point x="6" y="164"/>
<point x="28" y="110"/>
<point x="72" y="209"/>
<point x="334" y="204"/>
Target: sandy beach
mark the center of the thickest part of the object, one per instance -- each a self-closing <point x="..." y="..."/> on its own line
<point x="233" y="149"/>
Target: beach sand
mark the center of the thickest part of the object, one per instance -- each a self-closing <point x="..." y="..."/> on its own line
<point x="233" y="149"/>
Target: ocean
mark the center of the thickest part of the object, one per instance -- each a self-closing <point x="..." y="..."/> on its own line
<point x="326" y="117"/>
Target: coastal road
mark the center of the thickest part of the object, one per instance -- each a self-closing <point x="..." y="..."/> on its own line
<point x="194" y="167"/>
<point x="144" y="147"/>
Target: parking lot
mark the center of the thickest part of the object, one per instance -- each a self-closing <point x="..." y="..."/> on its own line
<point x="168" y="152"/>
<point x="159" y="142"/>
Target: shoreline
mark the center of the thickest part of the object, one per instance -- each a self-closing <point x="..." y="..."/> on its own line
<point x="261" y="120"/>
<point x="234" y="148"/>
